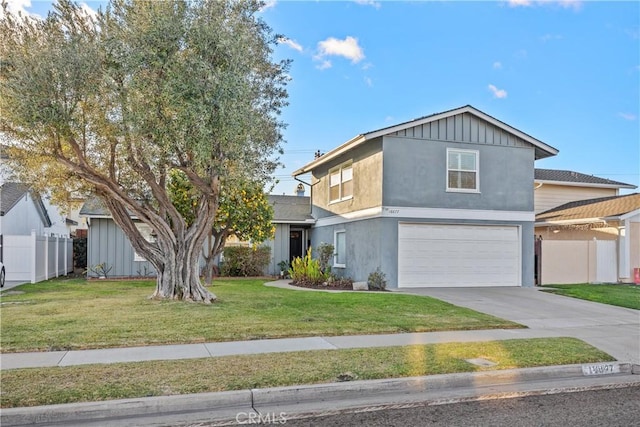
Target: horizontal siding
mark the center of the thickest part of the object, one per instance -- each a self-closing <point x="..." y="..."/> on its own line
<point x="463" y="128"/>
<point x="550" y="196"/>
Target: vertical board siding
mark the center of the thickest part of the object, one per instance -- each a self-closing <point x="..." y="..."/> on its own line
<point x="108" y="244"/>
<point x="463" y="128"/>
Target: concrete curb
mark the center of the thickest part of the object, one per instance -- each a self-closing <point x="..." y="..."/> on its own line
<point x="351" y="389"/>
<point x="221" y="406"/>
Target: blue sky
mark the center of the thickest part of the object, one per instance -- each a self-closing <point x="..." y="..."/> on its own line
<point x="565" y="72"/>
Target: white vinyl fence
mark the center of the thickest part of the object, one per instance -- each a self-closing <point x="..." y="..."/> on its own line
<point x="579" y="261"/>
<point x="36" y="258"/>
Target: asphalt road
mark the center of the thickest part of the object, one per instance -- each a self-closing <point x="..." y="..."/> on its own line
<point x="607" y="408"/>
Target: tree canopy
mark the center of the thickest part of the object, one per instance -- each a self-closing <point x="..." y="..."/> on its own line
<point x="114" y="104"/>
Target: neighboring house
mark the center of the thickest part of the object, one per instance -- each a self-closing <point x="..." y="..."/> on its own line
<point x="21" y="211"/>
<point x="596" y="240"/>
<point x="556" y="187"/>
<point x="27" y="250"/>
<point x="107" y="243"/>
<point x="443" y="200"/>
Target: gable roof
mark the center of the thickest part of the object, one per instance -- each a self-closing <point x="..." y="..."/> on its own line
<point x="565" y="177"/>
<point x="592" y="210"/>
<point x="542" y="150"/>
<point x="12" y="192"/>
<point x="291" y="209"/>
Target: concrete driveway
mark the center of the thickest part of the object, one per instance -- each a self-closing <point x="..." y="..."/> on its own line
<point x="12" y="284"/>
<point x="615" y="330"/>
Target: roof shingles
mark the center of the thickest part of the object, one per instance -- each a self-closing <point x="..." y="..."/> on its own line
<point x="575" y="177"/>
<point x="588" y="210"/>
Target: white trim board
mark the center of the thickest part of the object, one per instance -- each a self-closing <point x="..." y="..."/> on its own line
<point x="428" y="213"/>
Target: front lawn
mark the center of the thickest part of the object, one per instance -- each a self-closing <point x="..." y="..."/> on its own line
<point x="47" y="386"/>
<point x="80" y="314"/>
<point x="621" y="295"/>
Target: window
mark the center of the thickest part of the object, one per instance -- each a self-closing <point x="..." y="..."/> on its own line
<point x="341" y="183"/>
<point x="340" y="245"/>
<point x="462" y="170"/>
<point x="148" y="235"/>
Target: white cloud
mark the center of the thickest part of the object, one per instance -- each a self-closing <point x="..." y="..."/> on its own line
<point x="628" y="116"/>
<point x="368" y="81"/>
<point x="291" y="43"/>
<point x="324" y="64"/>
<point x="548" y="37"/>
<point x="498" y="93"/>
<point x="347" y="48"/>
<point x="18" y="6"/>
<point x="519" y="3"/>
<point x="565" y="4"/>
<point x="373" y="3"/>
<point x="497" y="65"/>
<point x="268" y="4"/>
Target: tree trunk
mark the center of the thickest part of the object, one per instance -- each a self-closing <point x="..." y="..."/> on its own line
<point x="215" y="246"/>
<point x="179" y="277"/>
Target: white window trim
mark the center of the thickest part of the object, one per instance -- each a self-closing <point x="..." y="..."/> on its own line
<point x="147" y="233"/>
<point x="463" y="190"/>
<point x="335" y="246"/>
<point x="339" y="168"/>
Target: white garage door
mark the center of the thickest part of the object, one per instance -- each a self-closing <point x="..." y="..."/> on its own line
<point x="437" y="255"/>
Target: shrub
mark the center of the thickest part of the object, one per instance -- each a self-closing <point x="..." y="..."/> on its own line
<point x="242" y="261"/>
<point x="339" y="282"/>
<point x="325" y="253"/>
<point x="306" y="270"/>
<point x="377" y="280"/>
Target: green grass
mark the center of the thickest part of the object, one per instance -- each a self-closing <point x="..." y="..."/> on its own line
<point x="80" y="314"/>
<point x="621" y="295"/>
<point x="46" y="386"/>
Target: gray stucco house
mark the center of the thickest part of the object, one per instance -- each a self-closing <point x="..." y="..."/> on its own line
<point x="106" y="243"/>
<point x="443" y="200"/>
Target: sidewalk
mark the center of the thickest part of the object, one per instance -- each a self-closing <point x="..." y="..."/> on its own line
<point x="195" y="351"/>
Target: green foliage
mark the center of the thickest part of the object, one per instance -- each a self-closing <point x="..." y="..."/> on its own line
<point x="243" y="210"/>
<point x="619" y="294"/>
<point x="306" y="270"/>
<point x="284" y="265"/>
<point x="242" y="261"/>
<point x="325" y="253"/>
<point x="377" y="280"/>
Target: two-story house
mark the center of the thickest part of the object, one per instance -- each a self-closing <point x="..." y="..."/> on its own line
<point x="443" y="200"/>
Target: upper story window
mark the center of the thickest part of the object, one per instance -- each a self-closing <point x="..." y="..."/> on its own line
<point x="341" y="183"/>
<point x="462" y="170"/>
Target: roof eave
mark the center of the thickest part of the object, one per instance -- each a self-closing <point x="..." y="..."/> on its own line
<point x="353" y="142"/>
<point x="584" y="184"/>
<point x="297" y="222"/>
<point x="572" y="221"/>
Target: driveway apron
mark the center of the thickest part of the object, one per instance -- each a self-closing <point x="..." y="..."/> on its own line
<point x="615" y="330"/>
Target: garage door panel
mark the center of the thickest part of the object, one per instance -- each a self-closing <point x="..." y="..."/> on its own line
<point x="458" y="255"/>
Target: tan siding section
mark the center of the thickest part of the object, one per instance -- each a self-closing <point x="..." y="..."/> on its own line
<point x="635" y="248"/>
<point x="367" y="184"/>
<point x="550" y="196"/>
<point x="463" y="128"/>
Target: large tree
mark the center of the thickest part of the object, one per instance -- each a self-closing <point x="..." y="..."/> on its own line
<point x="119" y="101"/>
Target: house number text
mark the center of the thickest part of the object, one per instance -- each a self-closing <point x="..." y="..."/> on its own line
<point x="601" y="369"/>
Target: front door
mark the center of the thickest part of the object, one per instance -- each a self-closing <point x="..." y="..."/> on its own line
<point x="295" y="244"/>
